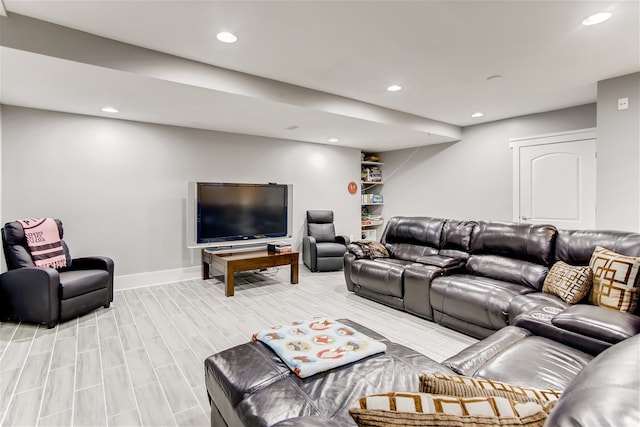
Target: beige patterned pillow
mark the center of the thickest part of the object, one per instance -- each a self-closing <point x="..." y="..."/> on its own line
<point x="616" y="280"/>
<point x="462" y="386"/>
<point x="571" y="283"/>
<point x="422" y="409"/>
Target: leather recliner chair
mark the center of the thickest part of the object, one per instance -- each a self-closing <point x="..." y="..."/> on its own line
<point x="47" y="295"/>
<point x="322" y="250"/>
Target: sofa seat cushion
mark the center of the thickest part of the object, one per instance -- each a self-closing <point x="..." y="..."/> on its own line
<point x="331" y="394"/>
<point x="330" y="249"/>
<point x="535" y="362"/>
<point x="598" y="322"/>
<point x="478" y="300"/>
<point x="80" y="282"/>
<point x="382" y="275"/>
<point x="261" y="390"/>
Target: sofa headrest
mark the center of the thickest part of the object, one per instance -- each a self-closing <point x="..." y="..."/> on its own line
<point x="529" y="242"/>
<point x="14" y="233"/>
<point x="16" y="250"/>
<point x="576" y="246"/>
<point x="457" y="234"/>
<point x="319" y="217"/>
<point x="423" y="231"/>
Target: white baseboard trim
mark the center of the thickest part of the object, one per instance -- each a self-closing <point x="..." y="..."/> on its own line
<point x="139" y="280"/>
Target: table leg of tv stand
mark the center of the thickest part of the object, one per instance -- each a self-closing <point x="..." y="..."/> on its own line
<point x="205" y="271"/>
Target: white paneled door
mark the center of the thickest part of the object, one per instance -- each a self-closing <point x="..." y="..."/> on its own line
<point x="555" y="180"/>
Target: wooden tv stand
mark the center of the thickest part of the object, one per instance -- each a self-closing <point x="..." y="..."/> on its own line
<point x="230" y="263"/>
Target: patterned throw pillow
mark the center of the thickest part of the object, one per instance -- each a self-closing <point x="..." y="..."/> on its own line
<point x="422" y="409"/>
<point x="571" y="283"/>
<point x="616" y="280"/>
<point x="462" y="386"/>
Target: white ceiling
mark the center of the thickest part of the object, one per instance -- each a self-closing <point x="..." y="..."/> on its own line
<point x="335" y="58"/>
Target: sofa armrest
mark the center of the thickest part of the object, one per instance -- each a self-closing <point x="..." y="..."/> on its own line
<point x="598" y="322"/>
<point x="309" y="252"/>
<point x="347" y="265"/>
<point x="440" y="261"/>
<point x="93" y="263"/>
<point x="30" y="294"/>
<point x="345" y="240"/>
<point x="96" y="263"/>
<point x="355" y="250"/>
<point x="469" y="360"/>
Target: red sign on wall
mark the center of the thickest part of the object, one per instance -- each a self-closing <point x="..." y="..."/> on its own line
<point x="352" y="187"/>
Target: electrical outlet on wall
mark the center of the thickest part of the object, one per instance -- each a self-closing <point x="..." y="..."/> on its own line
<point x="623" y="103"/>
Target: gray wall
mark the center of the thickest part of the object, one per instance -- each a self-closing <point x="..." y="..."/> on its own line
<point x="618" y="186"/>
<point x="120" y="187"/>
<point x="472" y="178"/>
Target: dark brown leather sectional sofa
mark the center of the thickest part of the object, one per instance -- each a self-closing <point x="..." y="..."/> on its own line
<point x="478" y="277"/>
<point x="248" y="385"/>
<point x="481" y="278"/>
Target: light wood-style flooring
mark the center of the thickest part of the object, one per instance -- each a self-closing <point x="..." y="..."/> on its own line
<point x="140" y="362"/>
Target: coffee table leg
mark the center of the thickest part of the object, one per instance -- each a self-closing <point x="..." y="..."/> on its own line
<point x="294" y="272"/>
<point x="228" y="280"/>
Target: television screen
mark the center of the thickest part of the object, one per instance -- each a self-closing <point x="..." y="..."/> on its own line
<point x="227" y="212"/>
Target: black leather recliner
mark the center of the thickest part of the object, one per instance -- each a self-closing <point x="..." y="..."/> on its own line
<point x="47" y="295"/>
<point x="322" y="250"/>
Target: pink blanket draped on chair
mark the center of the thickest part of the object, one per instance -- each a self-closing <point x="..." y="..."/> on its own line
<point x="43" y="239"/>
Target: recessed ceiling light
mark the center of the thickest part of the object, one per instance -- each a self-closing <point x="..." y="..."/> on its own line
<point x="394" y="88"/>
<point x="333" y="139"/>
<point x="227" y="37"/>
<point x="109" y="109"/>
<point x="478" y="114"/>
<point x="597" y="18"/>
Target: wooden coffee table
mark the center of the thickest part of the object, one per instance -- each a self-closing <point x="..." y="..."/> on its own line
<point x="230" y="263"/>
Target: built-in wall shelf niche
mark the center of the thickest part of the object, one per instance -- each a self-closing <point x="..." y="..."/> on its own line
<point x="372" y="202"/>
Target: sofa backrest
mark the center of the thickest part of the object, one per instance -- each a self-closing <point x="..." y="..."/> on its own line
<point x="456" y="238"/>
<point x="513" y="252"/>
<point x="410" y="238"/>
<point x="576" y="246"/>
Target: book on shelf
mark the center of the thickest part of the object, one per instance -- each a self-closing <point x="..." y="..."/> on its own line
<point x="371" y="174"/>
<point x="372" y="199"/>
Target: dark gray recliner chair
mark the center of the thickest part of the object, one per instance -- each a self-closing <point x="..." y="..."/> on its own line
<point x="47" y="295"/>
<point x="322" y="250"/>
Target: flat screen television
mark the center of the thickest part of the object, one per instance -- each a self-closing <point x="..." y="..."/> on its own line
<point x="231" y="214"/>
